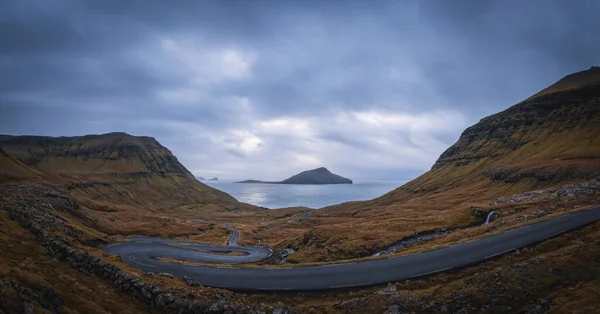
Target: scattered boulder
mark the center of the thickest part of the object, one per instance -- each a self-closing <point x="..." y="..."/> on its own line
<point x="46" y="297"/>
<point x="388" y="291"/>
<point x="166" y="275"/>
<point x="191" y="282"/>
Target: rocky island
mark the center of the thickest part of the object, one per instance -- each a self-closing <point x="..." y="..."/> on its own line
<point x="316" y="176"/>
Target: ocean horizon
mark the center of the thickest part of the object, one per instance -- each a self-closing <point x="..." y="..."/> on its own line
<point x="273" y="196"/>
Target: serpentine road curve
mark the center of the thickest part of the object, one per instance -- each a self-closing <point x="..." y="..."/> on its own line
<point x="142" y="252"/>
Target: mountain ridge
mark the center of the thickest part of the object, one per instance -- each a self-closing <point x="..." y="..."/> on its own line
<point x="116" y="161"/>
<point x="550" y="138"/>
<point x="548" y="141"/>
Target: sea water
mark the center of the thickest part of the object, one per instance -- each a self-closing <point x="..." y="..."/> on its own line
<point x="314" y="196"/>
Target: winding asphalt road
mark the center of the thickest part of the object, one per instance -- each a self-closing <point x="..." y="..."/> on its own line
<point x="234" y="236"/>
<point x="142" y="251"/>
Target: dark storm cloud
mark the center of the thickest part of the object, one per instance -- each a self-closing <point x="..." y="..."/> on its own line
<point x="255" y="87"/>
<point x="511" y="49"/>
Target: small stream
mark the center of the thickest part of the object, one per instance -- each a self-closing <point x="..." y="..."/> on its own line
<point x="489" y="216"/>
<point x="419" y="238"/>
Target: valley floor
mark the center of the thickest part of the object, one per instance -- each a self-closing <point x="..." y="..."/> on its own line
<point x="559" y="275"/>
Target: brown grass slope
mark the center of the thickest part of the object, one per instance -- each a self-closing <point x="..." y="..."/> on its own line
<point x="112" y="168"/>
<point x="550" y="139"/>
<point x="32" y="280"/>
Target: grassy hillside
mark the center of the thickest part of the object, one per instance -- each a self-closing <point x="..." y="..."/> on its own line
<point x="121" y="181"/>
<point x="107" y="153"/>
<point x="114" y="165"/>
<point x="550" y="139"/>
<point x="91" y="190"/>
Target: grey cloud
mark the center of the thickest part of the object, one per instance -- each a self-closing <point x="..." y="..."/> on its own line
<point x="74" y="67"/>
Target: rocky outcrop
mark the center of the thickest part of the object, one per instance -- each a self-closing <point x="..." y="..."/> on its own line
<point x="100" y="166"/>
<point x="315" y="176"/>
<point x="46" y="297"/>
<point x="94" y="153"/>
<point x="513" y="175"/>
<point x="565" y="193"/>
<point x="504" y="132"/>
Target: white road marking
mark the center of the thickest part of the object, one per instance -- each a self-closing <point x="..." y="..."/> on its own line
<point x="563" y="231"/>
<point x="353" y="285"/>
<point x="274" y="289"/>
<point x="527" y="226"/>
<point x="493" y="255"/>
<point x="329" y="265"/>
<point x="431" y="272"/>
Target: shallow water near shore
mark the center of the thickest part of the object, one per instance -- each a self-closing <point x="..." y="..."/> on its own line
<point x="314" y="196"/>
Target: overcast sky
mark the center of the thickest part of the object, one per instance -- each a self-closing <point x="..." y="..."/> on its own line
<point x="265" y="89"/>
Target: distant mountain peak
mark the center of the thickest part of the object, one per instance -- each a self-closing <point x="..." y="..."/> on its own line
<point x="319" y="175"/>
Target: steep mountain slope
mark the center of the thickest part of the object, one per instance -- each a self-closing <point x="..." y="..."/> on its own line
<point x="550" y="139"/>
<point x="61" y="197"/>
<point x="107" y="153"/>
<point x="11" y="168"/>
<point x="115" y="167"/>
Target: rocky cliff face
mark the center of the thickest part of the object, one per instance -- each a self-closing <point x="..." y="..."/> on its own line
<point x="549" y="139"/>
<point x="114" y="166"/>
<point x="545" y="113"/>
<point x="113" y="152"/>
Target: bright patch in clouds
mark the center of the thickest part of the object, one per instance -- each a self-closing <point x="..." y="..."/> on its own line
<point x="242" y="141"/>
<point x="204" y="66"/>
<point x="298" y="127"/>
<point x="362" y="144"/>
<point x="208" y="64"/>
<point x="265" y="89"/>
<point x="428" y="121"/>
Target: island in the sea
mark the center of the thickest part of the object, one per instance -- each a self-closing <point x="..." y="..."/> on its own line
<point x="315" y="176"/>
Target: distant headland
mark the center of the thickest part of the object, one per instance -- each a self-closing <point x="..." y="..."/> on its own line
<point x="204" y="179"/>
<point x="315" y="176"/>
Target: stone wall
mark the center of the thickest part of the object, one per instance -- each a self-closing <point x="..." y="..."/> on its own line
<point x="32" y="217"/>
